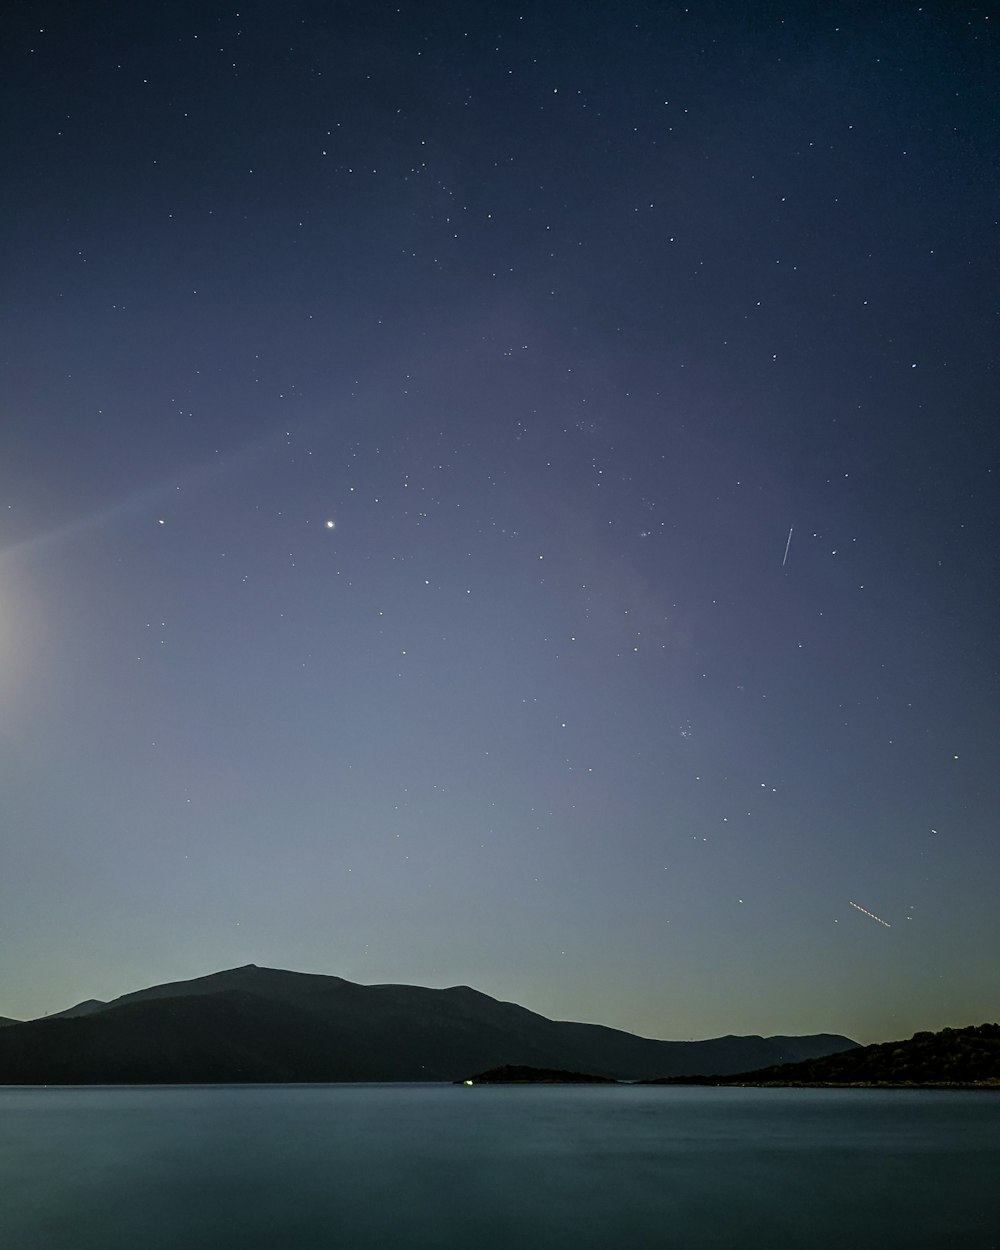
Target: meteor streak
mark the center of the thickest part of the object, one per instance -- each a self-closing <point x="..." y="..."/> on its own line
<point x="787" y="545"/>
<point x="865" y="912"/>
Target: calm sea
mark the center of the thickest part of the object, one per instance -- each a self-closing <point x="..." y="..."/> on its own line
<point x="398" y="1167"/>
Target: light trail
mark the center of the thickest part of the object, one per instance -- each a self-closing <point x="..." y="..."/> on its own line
<point x="787" y="545"/>
<point x="865" y="912"/>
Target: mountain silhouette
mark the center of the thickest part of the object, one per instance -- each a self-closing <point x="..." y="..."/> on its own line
<point x="86" y="1008"/>
<point x="968" y="1056"/>
<point x="263" y="1024"/>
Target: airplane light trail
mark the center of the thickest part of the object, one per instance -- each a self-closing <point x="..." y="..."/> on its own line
<point x="864" y="911"/>
<point x="787" y="545"/>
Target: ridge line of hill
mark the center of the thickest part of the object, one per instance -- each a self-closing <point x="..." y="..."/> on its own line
<point x="266" y="1024"/>
<point x="967" y="1057"/>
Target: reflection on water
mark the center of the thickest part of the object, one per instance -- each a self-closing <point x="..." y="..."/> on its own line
<point x="401" y="1167"/>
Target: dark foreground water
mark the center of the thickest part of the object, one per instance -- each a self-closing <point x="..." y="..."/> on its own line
<point x="399" y="1167"/>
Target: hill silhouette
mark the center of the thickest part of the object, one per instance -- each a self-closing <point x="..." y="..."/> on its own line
<point x="86" y="1008"/>
<point x="265" y="1024"/>
<point x="518" y="1074"/>
<point x="968" y="1056"/>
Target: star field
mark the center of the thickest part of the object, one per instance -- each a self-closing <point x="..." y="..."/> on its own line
<point x="504" y="497"/>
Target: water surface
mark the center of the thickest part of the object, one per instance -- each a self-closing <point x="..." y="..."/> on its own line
<point x="561" y="1168"/>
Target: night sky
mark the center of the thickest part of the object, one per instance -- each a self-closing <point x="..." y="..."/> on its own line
<point x="506" y="495"/>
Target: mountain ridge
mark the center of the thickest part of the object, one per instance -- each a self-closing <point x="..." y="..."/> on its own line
<point x="968" y="1056"/>
<point x="266" y="1024"/>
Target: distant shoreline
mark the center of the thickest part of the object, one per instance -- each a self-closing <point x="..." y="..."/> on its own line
<point x="939" y="1085"/>
<point x="523" y="1075"/>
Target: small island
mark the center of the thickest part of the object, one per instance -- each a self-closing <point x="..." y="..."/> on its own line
<point x="521" y="1074"/>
